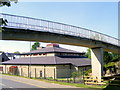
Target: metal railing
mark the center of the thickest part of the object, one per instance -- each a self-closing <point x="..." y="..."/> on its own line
<point x="28" y="23"/>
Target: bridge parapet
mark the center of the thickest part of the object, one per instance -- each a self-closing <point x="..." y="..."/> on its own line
<point x="28" y="23"/>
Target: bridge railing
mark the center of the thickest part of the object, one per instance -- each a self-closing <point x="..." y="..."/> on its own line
<point x="55" y="27"/>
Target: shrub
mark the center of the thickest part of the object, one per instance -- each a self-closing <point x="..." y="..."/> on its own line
<point x="87" y="72"/>
<point x="76" y="74"/>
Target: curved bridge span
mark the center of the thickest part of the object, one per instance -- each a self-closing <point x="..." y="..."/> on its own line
<point x="27" y="23"/>
<point x="31" y="29"/>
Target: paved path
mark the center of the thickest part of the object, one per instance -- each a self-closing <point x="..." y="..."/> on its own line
<point x="23" y="83"/>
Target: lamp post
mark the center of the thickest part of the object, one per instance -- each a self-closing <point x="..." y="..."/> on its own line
<point x="30" y="62"/>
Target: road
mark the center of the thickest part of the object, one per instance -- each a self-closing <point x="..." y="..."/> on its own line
<point x="13" y="85"/>
<point x="19" y="83"/>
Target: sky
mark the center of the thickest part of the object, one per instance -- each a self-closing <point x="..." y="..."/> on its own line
<point x="97" y="16"/>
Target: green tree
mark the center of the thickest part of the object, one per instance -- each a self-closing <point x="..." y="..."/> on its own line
<point x="111" y="62"/>
<point x="7" y="2"/>
<point x="87" y="72"/>
<point x="88" y="54"/>
<point x="107" y="57"/>
<point x="35" y="45"/>
<point x="17" y="52"/>
<point x="115" y="56"/>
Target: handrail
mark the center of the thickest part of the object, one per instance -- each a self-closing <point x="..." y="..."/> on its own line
<point x="56" y="27"/>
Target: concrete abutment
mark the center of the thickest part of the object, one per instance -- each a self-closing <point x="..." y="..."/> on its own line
<point x="97" y="62"/>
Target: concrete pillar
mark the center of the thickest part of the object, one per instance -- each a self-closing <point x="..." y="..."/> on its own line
<point x="97" y="62"/>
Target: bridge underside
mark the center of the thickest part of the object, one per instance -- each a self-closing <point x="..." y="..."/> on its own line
<point x="30" y="35"/>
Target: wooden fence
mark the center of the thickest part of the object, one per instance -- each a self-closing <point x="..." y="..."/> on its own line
<point x="112" y="80"/>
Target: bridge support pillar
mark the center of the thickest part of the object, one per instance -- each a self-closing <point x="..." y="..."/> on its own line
<point x="97" y="62"/>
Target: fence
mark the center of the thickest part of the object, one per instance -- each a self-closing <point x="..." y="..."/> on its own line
<point x="109" y="81"/>
<point x="88" y="80"/>
<point x="28" y="23"/>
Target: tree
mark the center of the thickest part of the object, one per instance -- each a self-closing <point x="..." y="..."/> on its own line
<point x="17" y="52"/>
<point x="35" y="45"/>
<point x="107" y="57"/>
<point x="116" y="57"/>
<point x="7" y="2"/>
<point x="88" y="54"/>
<point x="111" y="62"/>
<point x="87" y="72"/>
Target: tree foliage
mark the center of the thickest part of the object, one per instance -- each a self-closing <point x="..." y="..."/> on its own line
<point x="86" y="72"/>
<point x="88" y="54"/>
<point x="7" y="2"/>
<point x="35" y="45"/>
<point x="17" y="52"/>
<point x="107" y="57"/>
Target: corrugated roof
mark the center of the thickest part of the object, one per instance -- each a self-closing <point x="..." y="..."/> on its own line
<point x="51" y="60"/>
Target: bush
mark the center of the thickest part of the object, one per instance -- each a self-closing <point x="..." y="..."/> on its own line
<point x="76" y="74"/>
<point x="87" y="72"/>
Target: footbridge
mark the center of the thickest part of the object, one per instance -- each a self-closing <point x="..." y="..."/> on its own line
<point x="32" y="29"/>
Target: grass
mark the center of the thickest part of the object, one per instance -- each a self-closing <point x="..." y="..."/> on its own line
<point x="76" y="84"/>
<point x="63" y="83"/>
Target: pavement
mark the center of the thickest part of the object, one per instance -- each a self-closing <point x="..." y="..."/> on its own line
<point x="19" y="83"/>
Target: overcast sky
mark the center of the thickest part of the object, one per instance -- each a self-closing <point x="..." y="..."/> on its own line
<point x="98" y="16"/>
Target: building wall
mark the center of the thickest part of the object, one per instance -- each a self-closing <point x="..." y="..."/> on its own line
<point x="22" y="70"/>
<point x="63" y="71"/>
<point x="45" y="71"/>
<point x="36" y="70"/>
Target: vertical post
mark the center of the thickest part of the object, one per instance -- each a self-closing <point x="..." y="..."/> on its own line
<point x="5" y="68"/>
<point x="54" y="74"/>
<point x="83" y="76"/>
<point x="28" y="71"/>
<point x="30" y="61"/>
<point x="70" y="71"/>
<point x="21" y="71"/>
<point x="35" y="72"/>
<point x="44" y="73"/>
<point x="97" y="62"/>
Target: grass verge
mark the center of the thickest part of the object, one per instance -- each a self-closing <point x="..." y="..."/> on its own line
<point x="63" y="83"/>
